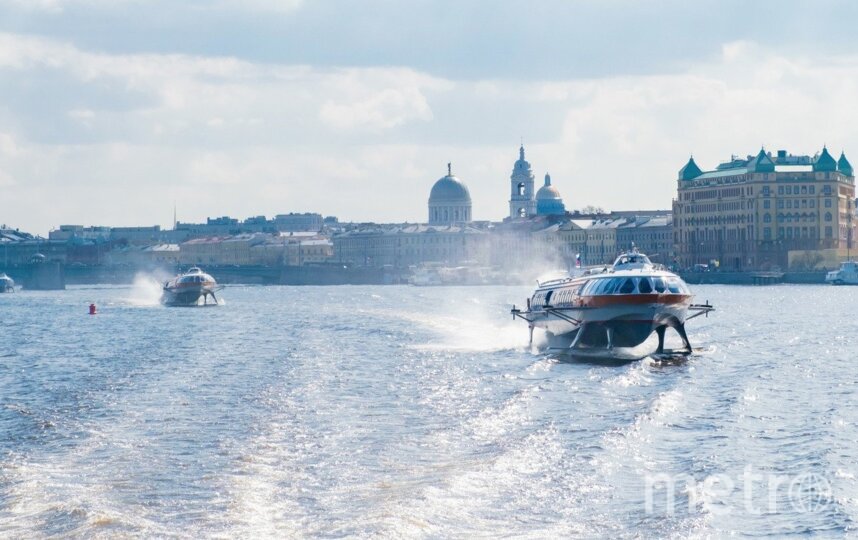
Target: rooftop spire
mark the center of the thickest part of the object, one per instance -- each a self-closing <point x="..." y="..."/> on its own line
<point x="843" y="165"/>
<point x="690" y="171"/>
<point x="547" y="179"/>
<point x="449" y="169"/>
<point x="521" y="152"/>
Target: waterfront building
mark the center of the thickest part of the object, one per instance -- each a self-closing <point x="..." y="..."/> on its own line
<point x="650" y="234"/>
<point x="313" y="251"/>
<point x="73" y="233"/>
<point x="406" y="245"/>
<point x="138" y="235"/>
<point x="554" y="242"/>
<point x="548" y="200"/>
<point x="601" y="240"/>
<point x="257" y="249"/>
<point x="154" y="256"/>
<point x="522" y="203"/>
<point x="293" y="222"/>
<point x="765" y="211"/>
<point x="227" y="226"/>
<point x="449" y="201"/>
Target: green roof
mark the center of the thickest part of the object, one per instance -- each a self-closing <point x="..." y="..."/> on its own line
<point x="843" y="165"/>
<point x="761" y="163"/>
<point x="690" y="171"/>
<point x="824" y="162"/>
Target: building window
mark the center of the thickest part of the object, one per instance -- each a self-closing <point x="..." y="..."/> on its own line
<point x="789" y="203"/>
<point x="828" y="232"/>
<point x="812" y="190"/>
<point x="813" y="203"/>
<point x="780" y="203"/>
<point x="767" y="233"/>
<point x="828" y="203"/>
<point x="804" y="190"/>
<point x="780" y="190"/>
<point x="767" y="203"/>
<point x="521" y="189"/>
<point x="789" y="190"/>
<point x="767" y="218"/>
<point x="780" y="232"/>
<point x="828" y="216"/>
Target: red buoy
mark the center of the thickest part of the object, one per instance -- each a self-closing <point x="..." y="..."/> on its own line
<point x="92" y="309"/>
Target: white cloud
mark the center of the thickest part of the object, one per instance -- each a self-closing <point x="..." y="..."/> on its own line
<point x="386" y="109"/>
<point x="275" y="6"/>
<point x="6" y="180"/>
<point x="368" y="143"/>
<point x="8" y="146"/>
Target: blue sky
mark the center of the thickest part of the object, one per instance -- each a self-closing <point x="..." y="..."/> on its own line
<point x="112" y="110"/>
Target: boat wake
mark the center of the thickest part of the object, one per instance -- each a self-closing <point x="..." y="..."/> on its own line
<point x="146" y="289"/>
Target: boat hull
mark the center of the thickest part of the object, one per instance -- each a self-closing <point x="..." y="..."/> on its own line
<point x="185" y="296"/>
<point x="631" y="319"/>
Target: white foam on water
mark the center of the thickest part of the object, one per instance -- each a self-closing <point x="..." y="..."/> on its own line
<point x="262" y="492"/>
<point x="71" y="486"/>
<point x="146" y="289"/>
<point x="471" y="328"/>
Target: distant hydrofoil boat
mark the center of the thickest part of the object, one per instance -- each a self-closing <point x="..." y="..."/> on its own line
<point x="187" y="289"/>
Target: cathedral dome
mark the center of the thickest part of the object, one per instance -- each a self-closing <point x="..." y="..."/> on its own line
<point x="449" y="201"/>
<point x="547" y="192"/>
<point x="449" y="189"/>
<point x="548" y="200"/>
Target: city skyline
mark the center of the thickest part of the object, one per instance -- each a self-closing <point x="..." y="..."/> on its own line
<point x="112" y="112"/>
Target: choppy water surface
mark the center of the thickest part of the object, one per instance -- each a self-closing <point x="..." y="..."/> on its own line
<point x="419" y="412"/>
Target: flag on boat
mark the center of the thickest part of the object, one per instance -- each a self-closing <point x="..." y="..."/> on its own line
<point x="577" y="260"/>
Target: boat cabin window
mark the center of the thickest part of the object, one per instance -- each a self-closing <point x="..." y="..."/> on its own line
<point x="628" y="286"/>
<point x="644" y="286"/>
<point x="613" y="286"/>
<point x="597" y="286"/>
<point x="548" y="298"/>
<point x="676" y="286"/>
<point x="659" y="285"/>
<point x="563" y="296"/>
<point x="602" y="285"/>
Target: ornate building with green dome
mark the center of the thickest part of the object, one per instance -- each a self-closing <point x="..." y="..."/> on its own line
<point x="766" y="211"/>
<point x="548" y="200"/>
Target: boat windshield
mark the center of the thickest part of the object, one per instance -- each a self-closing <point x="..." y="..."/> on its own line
<point x="632" y="260"/>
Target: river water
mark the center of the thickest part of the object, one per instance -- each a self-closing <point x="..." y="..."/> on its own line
<point x="419" y="412"/>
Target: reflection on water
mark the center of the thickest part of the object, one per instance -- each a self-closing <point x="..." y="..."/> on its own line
<point x="397" y="411"/>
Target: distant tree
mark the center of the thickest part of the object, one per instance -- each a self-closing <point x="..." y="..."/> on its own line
<point x="808" y="261"/>
<point x="590" y="209"/>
